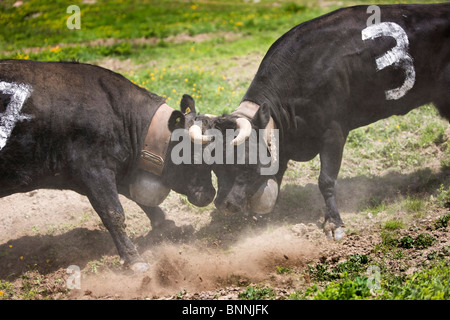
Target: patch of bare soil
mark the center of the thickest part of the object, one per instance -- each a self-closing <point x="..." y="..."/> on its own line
<point x="46" y="231"/>
<point x="196" y="270"/>
<point x="200" y="254"/>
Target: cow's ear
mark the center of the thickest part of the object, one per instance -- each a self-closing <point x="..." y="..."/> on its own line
<point x="176" y="120"/>
<point x="262" y="116"/>
<point x="187" y="104"/>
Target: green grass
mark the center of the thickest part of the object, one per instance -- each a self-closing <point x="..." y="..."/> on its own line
<point x="393" y="225"/>
<point x="355" y="264"/>
<point x="429" y="284"/>
<point x="43" y="23"/>
<point x="393" y="142"/>
<point x="390" y="241"/>
<point x="205" y="64"/>
<point x="414" y="204"/>
<point x="442" y="222"/>
<point x="356" y="289"/>
<point x="432" y="283"/>
<point x="443" y="197"/>
<point x="257" y="293"/>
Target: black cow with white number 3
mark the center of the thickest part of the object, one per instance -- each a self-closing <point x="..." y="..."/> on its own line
<point x="331" y="75"/>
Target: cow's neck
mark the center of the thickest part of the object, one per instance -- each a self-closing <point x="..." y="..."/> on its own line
<point x="156" y="142"/>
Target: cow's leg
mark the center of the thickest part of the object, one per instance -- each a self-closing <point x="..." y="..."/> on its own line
<point x="155" y="214"/>
<point x="281" y="170"/>
<point x="330" y="163"/>
<point x="443" y="105"/>
<point x="280" y="174"/>
<point x="102" y="193"/>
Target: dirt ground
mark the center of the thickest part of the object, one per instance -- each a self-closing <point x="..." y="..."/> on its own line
<point x="198" y="254"/>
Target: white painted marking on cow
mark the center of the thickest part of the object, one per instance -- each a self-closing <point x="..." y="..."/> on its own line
<point x="19" y="94"/>
<point x="397" y="56"/>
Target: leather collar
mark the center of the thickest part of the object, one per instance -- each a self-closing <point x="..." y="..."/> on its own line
<point x="156" y="142"/>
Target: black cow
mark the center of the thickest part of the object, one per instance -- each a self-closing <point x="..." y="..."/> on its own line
<point x="67" y="125"/>
<point x="333" y="74"/>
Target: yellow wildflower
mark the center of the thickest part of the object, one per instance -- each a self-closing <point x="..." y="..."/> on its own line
<point x="55" y="49"/>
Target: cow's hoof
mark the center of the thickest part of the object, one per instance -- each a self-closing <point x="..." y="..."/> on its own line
<point x="335" y="234"/>
<point x="140" y="267"/>
<point x="339" y="233"/>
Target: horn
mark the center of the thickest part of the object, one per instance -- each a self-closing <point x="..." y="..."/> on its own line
<point x="195" y="132"/>
<point x="245" y="129"/>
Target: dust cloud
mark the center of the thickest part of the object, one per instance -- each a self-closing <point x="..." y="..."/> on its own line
<point x="196" y="267"/>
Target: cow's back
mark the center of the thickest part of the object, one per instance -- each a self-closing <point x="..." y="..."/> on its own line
<point x="325" y="69"/>
<point x="73" y="113"/>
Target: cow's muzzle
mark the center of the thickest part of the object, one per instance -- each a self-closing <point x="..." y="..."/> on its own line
<point x="202" y="196"/>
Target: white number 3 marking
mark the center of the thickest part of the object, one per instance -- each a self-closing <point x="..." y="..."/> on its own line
<point x="8" y="119"/>
<point x="397" y="56"/>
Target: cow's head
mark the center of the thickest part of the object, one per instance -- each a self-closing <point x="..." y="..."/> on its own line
<point x="245" y="182"/>
<point x="184" y="172"/>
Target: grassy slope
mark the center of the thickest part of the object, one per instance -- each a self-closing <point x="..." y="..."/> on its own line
<point x="141" y="38"/>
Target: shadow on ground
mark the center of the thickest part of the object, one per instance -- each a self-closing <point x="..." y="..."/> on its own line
<point x="297" y="204"/>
